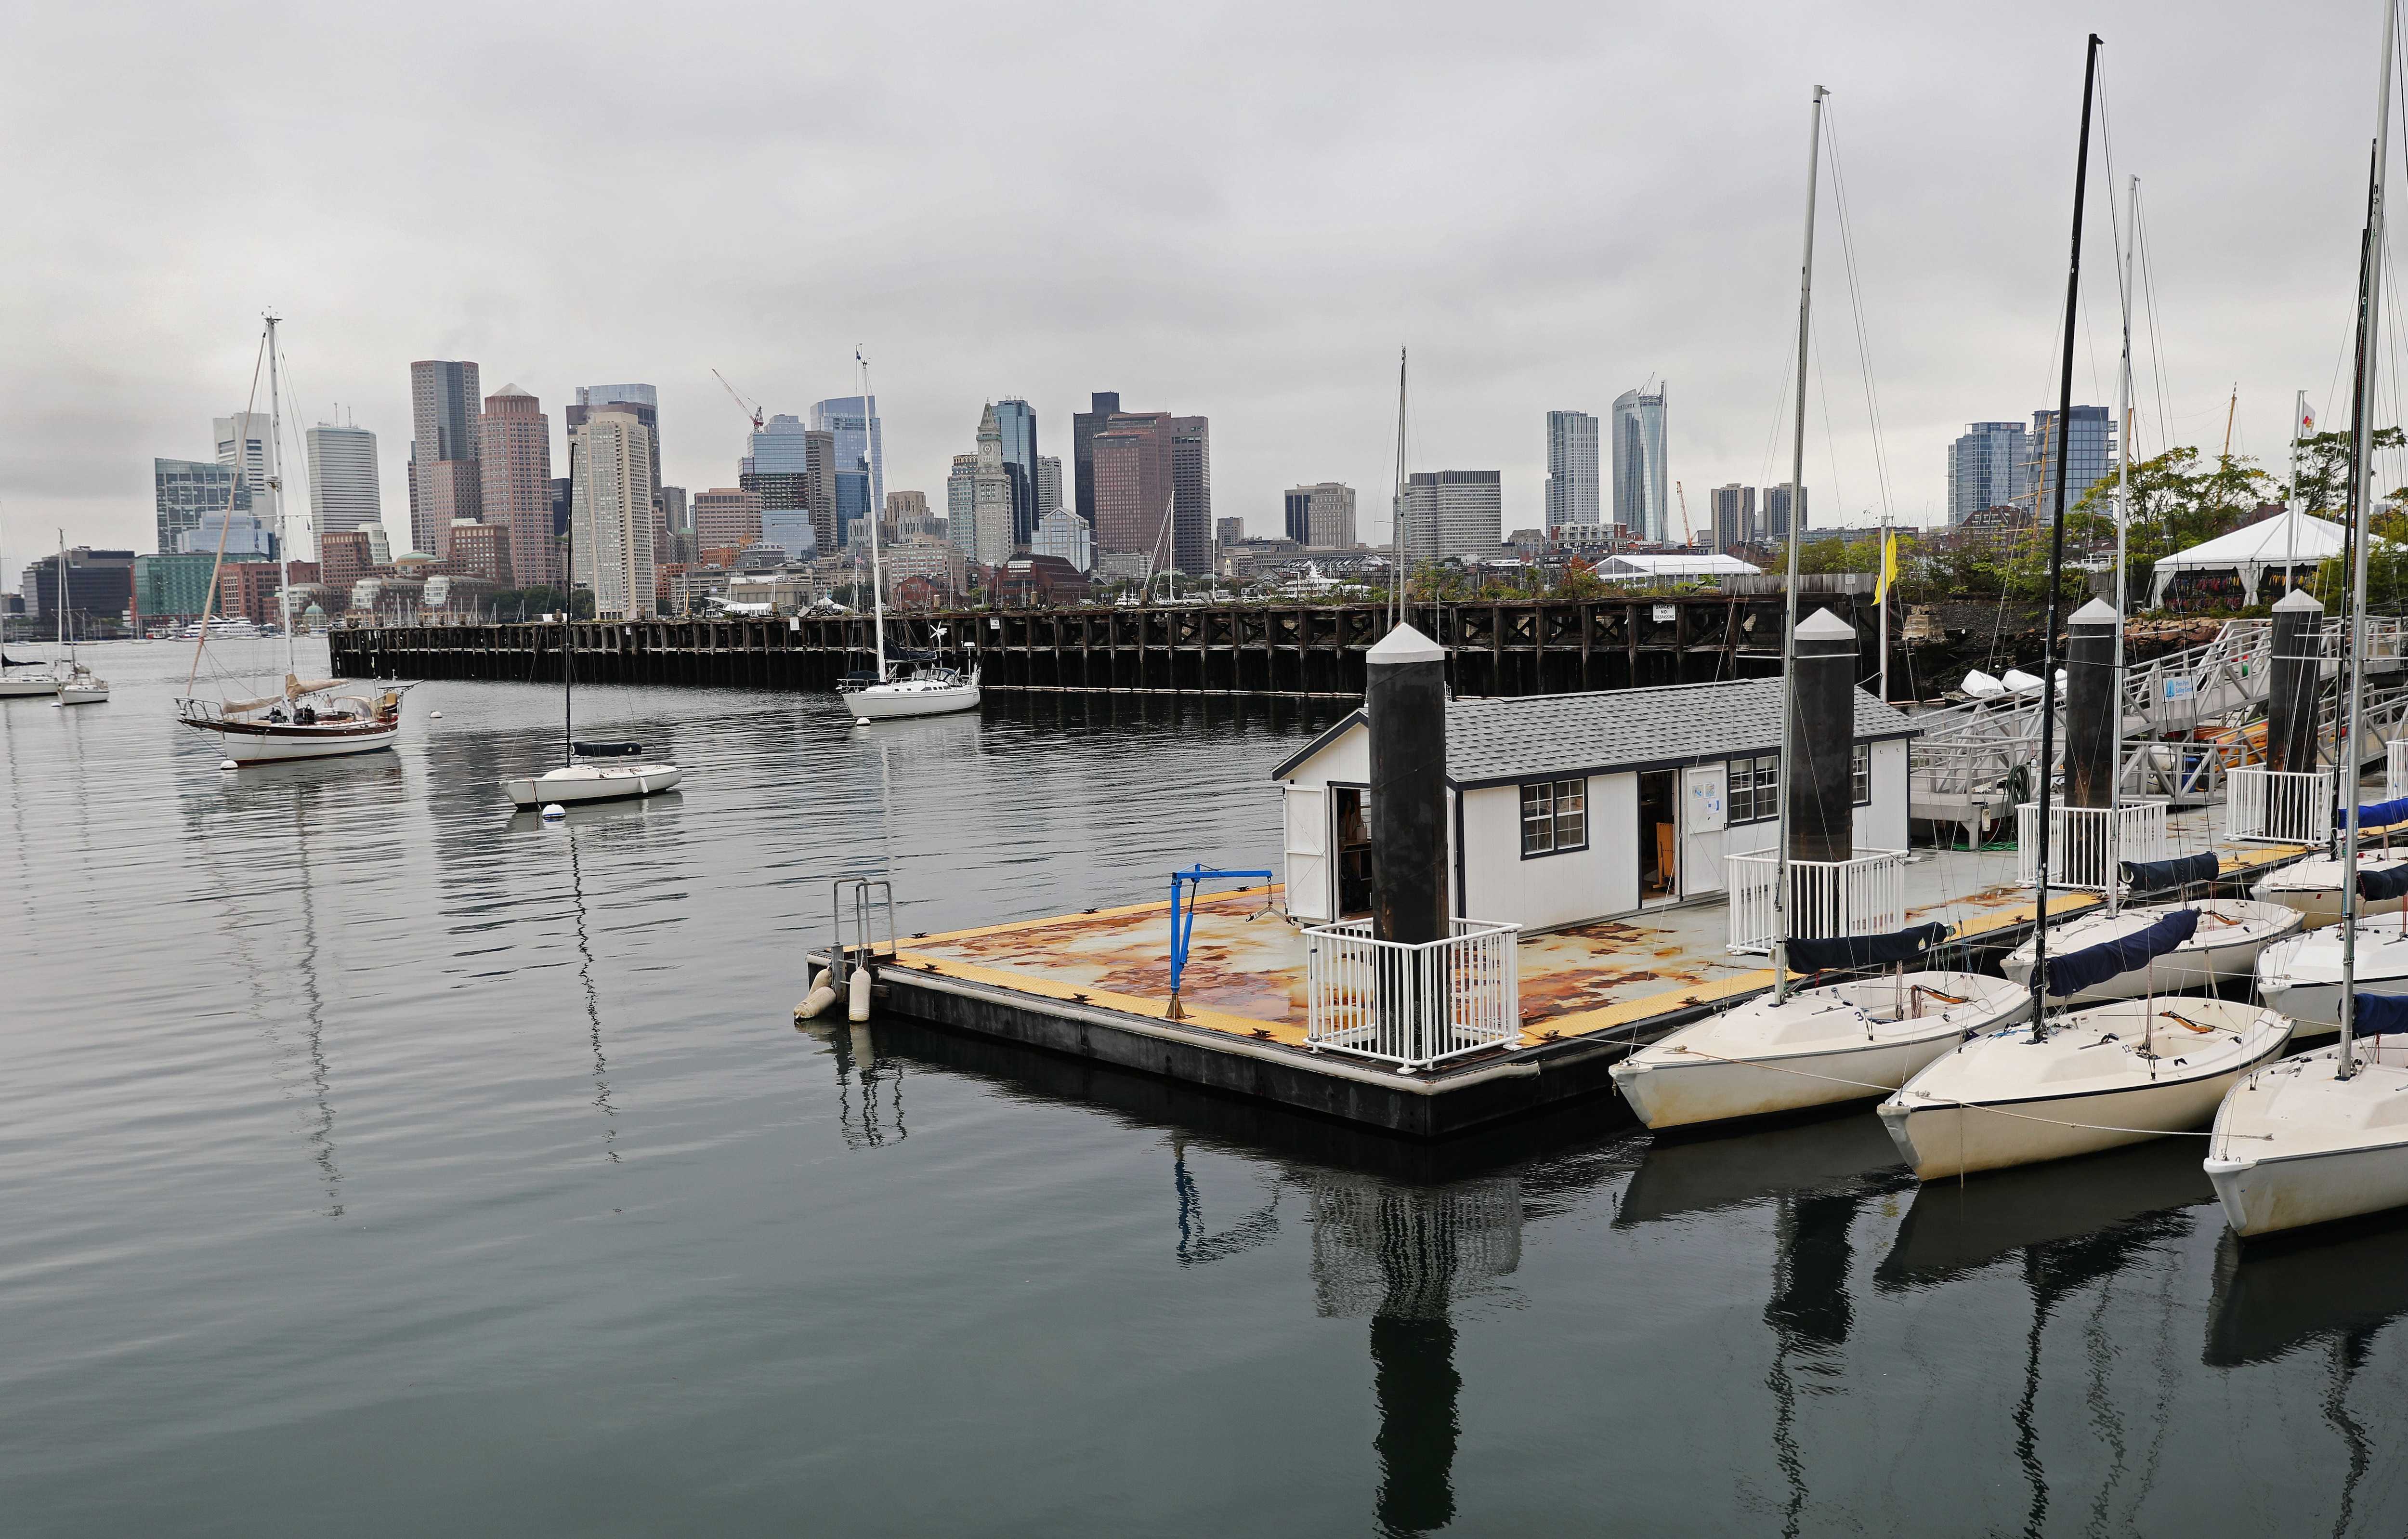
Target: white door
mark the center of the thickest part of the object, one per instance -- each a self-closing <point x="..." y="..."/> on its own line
<point x="1705" y="814"/>
<point x="1308" y="853"/>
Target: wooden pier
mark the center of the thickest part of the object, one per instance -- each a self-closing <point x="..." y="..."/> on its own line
<point x="1294" y="650"/>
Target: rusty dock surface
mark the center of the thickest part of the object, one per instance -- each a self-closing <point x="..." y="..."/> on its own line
<point x="1098" y="985"/>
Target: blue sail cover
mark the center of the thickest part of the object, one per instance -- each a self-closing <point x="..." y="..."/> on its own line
<point x="2375" y="1014"/>
<point x="2092" y="965"/>
<point x="2383" y="814"/>
<point x="2382" y="883"/>
<point x="1905" y="945"/>
<point x="2158" y="875"/>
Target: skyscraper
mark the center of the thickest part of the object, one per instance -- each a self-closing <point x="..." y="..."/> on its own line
<point x="1640" y="486"/>
<point x="1191" y="479"/>
<point x="980" y="511"/>
<point x="514" y="484"/>
<point x="1571" y="469"/>
<point x="1049" y="483"/>
<point x="1102" y="407"/>
<point x="344" y="492"/>
<point x="2090" y="449"/>
<point x="1734" y="515"/>
<point x="642" y="401"/>
<point x="185" y="491"/>
<point x="1453" y="513"/>
<point x="1776" y="512"/>
<point x="1987" y="467"/>
<point x="729" y="518"/>
<point x="1132" y="485"/>
<point x="242" y="445"/>
<point x="778" y="465"/>
<point x="1321" y="515"/>
<point x="860" y="465"/>
<point x="610" y="513"/>
<point x="1016" y="420"/>
<point x="444" y="480"/>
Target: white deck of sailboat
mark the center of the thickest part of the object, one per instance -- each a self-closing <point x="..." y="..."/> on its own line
<point x="1245" y="971"/>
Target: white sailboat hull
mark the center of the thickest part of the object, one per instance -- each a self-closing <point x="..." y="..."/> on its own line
<point x="2301" y="977"/>
<point x="83" y="693"/>
<point x="2218" y="954"/>
<point x="1824" y="1047"/>
<point x="27" y="687"/>
<point x="889" y="702"/>
<point x="580" y="782"/>
<point x="2295" y="1146"/>
<point x="264" y="744"/>
<point x="2003" y="1101"/>
<point x="2312" y="887"/>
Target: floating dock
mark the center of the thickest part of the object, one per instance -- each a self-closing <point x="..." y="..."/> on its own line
<point x="1097" y="985"/>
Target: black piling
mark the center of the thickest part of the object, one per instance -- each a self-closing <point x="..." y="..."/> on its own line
<point x="1821" y="739"/>
<point x="2291" y="687"/>
<point x="2090" y="707"/>
<point x="1404" y="701"/>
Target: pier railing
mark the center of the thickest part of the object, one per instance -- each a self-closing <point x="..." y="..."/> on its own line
<point x="1412" y="1006"/>
<point x="2080" y="854"/>
<point x="2395" y="768"/>
<point x="2278" y="806"/>
<point x="1828" y="899"/>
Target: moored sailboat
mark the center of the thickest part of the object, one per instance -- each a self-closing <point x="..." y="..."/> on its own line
<point x="76" y="684"/>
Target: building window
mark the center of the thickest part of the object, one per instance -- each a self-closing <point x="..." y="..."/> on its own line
<point x="1555" y="817"/>
<point x="1860" y="775"/>
<point x="1755" y="789"/>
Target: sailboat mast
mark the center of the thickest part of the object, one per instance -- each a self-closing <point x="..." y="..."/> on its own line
<point x="2123" y="523"/>
<point x="569" y="636"/>
<point x="2057" y="556"/>
<point x="1396" y="513"/>
<point x="66" y="648"/>
<point x="877" y="570"/>
<point x="276" y="490"/>
<point x="2360" y="488"/>
<point x="1789" y="615"/>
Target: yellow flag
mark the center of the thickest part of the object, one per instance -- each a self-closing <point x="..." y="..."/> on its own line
<point x="1889" y="565"/>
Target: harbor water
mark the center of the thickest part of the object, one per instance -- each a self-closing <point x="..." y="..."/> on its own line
<point x="376" y="1161"/>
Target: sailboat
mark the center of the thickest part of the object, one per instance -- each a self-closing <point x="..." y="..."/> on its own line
<point x="2323" y="1136"/>
<point x="2228" y="935"/>
<point x="1833" y="1043"/>
<point x="930" y="689"/>
<point x="31" y="679"/>
<point x="589" y="772"/>
<point x="2082" y="1080"/>
<point x="75" y="683"/>
<point x="306" y="719"/>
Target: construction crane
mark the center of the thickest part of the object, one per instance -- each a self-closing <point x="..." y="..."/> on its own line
<point x="1688" y="535"/>
<point x="751" y="409"/>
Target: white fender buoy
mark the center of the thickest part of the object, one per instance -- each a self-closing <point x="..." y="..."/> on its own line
<point x="228" y="764"/>
<point x="435" y="715"/>
<point x="554" y="812"/>
<point x="861" y="721"/>
<point x="816" y="1003"/>
<point x="1982" y="686"/>
<point x="857" y="1005"/>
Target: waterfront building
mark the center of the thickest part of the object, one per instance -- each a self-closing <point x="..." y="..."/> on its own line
<point x="1776" y="512"/>
<point x="1016" y="421"/>
<point x="344" y="492"/>
<point x="936" y="562"/>
<point x="1102" y="405"/>
<point x="1030" y="581"/>
<point x="858" y="437"/>
<point x="979" y="511"/>
<point x="1321" y="516"/>
<point x="611" y="513"/>
<point x="174" y="588"/>
<point x="1572" y="492"/>
<point x="480" y="550"/>
<point x="237" y="534"/>
<point x="445" y="483"/>
<point x="343" y="558"/>
<point x="1987" y="466"/>
<point x="1062" y="533"/>
<point x="514" y="470"/>
<point x="184" y="489"/>
<point x="1049" y="483"/>
<point x="1733" y="514"/>
<point x="2088" y="444"/>
<point x="100" y="584"/>
<point x="1453" y="513"/>
<point x="728" y="517"/>
<point x="1639" y="485"/>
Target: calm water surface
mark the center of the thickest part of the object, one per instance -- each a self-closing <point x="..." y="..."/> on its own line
<point x="376" y="1162"/>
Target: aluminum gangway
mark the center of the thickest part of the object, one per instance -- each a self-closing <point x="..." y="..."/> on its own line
<point x="1973" y="762"/>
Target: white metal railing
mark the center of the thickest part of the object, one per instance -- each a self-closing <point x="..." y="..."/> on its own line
<point x="2279" y="807"/>
<point x="1828" y="899"/>
<point x="1413" y="1006"/>
<point x="2079" y="852"/>
<point x="2395" y="768"/>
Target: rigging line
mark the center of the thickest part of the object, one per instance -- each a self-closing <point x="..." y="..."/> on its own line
<point x="1831" y="447"/>
<point x="2146" y="250"/>
<point x="1857" y="305"/>
<point x="241" y="473"/>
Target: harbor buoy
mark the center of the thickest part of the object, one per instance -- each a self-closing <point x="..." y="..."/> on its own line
<point x="554" y="812"/>
<point x="435" y="715"/>
<point x="857" y="1006"/>
<point x="861" y="721"/>
<point x="228" y="764"/>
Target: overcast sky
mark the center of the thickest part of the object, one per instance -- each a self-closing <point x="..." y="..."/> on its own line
<point x="1239" y="211"/>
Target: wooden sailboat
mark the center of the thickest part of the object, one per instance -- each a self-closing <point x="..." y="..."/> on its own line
<point x="2323" y="1136"/>
<point x="305" y="719"/>
<point x="1794" y="1049"/>
<point x="2085" y="1080"/>
<point x="929" y="689"/>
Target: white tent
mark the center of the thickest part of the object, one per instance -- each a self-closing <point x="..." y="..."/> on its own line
<point x="1634" y="566"/>
<point x="2291" y="539"/>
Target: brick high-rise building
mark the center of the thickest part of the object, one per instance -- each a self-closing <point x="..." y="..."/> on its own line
<point x="728" y="517"/>
<point x="1102" y="405"/>
<point x="1129" y="480"/>
<point x="343" y="559"/>
<point x="444" y="480"/>
<point x="480" y="550"/>
<point x="514" y="461"/>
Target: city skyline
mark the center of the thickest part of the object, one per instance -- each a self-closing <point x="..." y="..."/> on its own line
<point x="1544" y="292"/>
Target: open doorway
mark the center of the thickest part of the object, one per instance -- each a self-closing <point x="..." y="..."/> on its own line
<point x="1659" y="836"/>
<point x="1351" y="809"/>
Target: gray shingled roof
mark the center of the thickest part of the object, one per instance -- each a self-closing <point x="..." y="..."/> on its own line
<point x="1511" y="739"/>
